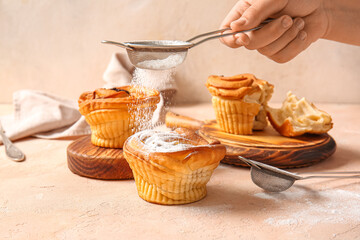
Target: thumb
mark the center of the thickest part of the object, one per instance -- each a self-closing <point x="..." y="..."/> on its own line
<point x="257" y="12"/>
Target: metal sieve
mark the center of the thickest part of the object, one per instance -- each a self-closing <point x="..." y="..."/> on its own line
<point x="273" y="179"/>
<point x="166" y="54"/>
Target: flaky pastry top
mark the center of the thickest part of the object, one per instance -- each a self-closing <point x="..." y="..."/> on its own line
<point x="234" y="87"/>
<point x="180" y="150"/>
<point x="118" y="97"/>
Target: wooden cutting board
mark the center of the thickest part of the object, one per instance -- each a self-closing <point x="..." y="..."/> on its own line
<point x="266" y="146"/>
<point x="88" y="160"/>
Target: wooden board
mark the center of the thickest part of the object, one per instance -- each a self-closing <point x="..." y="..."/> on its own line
<point x="270" y="147"/>
<point x="88" y="160"/>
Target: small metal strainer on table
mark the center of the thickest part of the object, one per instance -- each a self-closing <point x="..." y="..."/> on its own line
<point x="273" y="179"/>
<point x="166" y="54"/>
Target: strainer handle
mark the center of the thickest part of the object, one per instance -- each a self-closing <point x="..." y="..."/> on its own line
<point x="333" y="176"/>
<point x="117" y="44"/>
<point x="226" y="34"/>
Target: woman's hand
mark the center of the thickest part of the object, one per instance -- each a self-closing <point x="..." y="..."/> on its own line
<point x="297" y="24"/>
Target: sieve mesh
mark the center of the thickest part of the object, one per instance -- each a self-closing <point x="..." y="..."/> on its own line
<point x="270" y="181"/>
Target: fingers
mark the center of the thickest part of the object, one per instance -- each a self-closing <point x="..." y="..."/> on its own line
<point x="280" y="43"/>
<point x="311" y="31"/>
<point x="257" y="12"/>
<point x="282" y="39"/>
<point x="294" y="48"/>
<point x="230" y="41"/>
<point x="245" y="15"/>
<point x="235" y="13"/>
<point x="266" y="35"/>
<point x="262" y="37"/>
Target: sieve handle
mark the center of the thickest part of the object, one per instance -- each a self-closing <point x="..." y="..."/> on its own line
<point x="333" y="176"/>
<point x="118" y="44"/>
<point x="226" y="34"/>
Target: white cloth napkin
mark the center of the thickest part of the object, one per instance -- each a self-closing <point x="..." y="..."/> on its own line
<point x="43" y="115"/>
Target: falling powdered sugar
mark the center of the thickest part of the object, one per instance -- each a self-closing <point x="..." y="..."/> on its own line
<point x="160" y="80"/>
<point x="154" y="79"/>
<point x="157" y="64"/>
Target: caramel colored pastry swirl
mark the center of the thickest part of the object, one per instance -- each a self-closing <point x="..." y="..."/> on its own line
<point x="117" y="113"/>
<point x="172" y="167"/>
<point x="235" y="87"/>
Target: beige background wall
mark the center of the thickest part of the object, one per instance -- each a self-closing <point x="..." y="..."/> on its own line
<point x="54" y="46"/>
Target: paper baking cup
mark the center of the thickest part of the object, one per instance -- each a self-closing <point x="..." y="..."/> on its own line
<point x="234" y="116"/>
<point x="168" y="187"/>
<point x="168" y="196"/>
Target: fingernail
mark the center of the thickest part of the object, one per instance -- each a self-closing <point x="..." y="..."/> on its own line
<point x="241" y="21"/>
<point x="286" y="22"/>
<point x="299" y="23"/>
<point x="238" y="42"/>
<point x="302" y="35"/>
<point x="242" y="42"/>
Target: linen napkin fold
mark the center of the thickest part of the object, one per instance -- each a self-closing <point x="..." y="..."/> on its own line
<point x="43" y="115"/>
<point x="119" y="71"/>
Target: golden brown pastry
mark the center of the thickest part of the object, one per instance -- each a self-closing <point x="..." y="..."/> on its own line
<point x="239" y="102"/>
<point x="117" y="113"/>
<point x="172" y="167"/>
<point x="297" y="117"/>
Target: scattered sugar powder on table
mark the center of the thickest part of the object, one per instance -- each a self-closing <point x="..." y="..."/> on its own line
<point x="329" y="206"/>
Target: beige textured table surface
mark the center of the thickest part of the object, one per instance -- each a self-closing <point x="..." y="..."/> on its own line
<point x="41" y="199"/>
